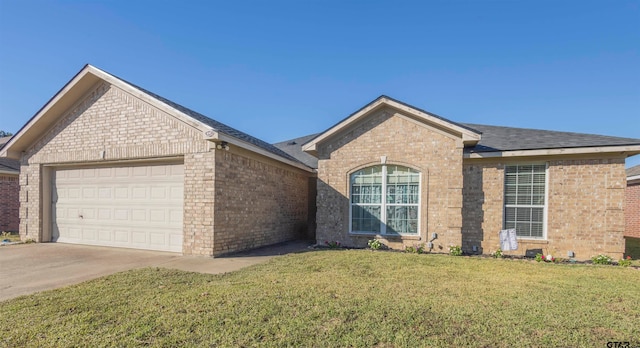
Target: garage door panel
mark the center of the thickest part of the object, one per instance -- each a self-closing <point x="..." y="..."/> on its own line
<point x="135" y="207"/>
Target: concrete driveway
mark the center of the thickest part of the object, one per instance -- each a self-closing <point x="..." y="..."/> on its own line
<point x="30" y="268"/>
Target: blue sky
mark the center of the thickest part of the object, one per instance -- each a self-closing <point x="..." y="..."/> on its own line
<point x="282" y="69"/>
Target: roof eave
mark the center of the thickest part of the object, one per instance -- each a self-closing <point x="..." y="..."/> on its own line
<point x="469" y="137"/>
<point x="628" y="150"/>
<point x="219" y="137"/>
<point x="9" y="172"/>
<point x="75" y="90"/>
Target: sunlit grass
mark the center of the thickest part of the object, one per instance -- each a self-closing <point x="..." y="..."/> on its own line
<point x="339" y="298"/>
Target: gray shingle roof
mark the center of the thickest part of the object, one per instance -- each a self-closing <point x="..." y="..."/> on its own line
<point x="633" y="171"/>
<point x="218" y="126"/>
<point x="496" y="138"/>
<point x="294" y="148"/>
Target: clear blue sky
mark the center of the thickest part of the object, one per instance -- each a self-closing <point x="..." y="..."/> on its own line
<point x="282" y="69"/>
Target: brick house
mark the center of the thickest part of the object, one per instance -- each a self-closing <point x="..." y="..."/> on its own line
<point x="9" y="192"/>
<point x="397" y="173"/>
<point x="632" y="207"/>
<point x="106" y="162"/>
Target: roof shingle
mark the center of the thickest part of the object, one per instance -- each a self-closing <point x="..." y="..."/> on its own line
<point x="496" y="139"/>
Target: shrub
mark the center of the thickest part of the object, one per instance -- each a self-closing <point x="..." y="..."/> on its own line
<point x="332" y="244"/>
<point x="498" y="254"/>
<point x="625" y="262"/>
<point x="602" y="260"/>
<point x="417" y="249"/>
<point x="375" y="244"/>
<point x="455" y="250"/>
<point x="539" y="257"/>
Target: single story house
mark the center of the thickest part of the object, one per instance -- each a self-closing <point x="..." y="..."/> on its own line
<point x="9" y="192"/>
<point x="106" y="162"/>
<point x="632" y="207"/>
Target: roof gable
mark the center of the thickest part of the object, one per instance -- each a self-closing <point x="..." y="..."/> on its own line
<point x="468" y="135"/>
<point x="86" y="80"/>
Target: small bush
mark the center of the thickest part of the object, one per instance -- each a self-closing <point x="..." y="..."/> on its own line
<point x="417" y="249"/>
<point x="375" y="244"/>
<point x="332" y="244"/>
<point x="498" y="254"/>
<point x="602" y="260"/>
<point x="455" y="250"/>
<point x="625" y="262"/>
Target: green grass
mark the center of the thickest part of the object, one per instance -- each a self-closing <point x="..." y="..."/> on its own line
<point x="11" y="236"/>
<point x="339" y="298"/>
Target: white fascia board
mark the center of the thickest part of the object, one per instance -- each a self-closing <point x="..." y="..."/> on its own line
<point x="9" y="172"/>
<point x="7" y="150"/>
<point x="633" y="178"/>
<point x="253" y="148"/>
<point x="468" y="137"/>
<point x="628" y="149"/>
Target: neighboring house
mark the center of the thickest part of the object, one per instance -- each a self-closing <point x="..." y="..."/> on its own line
<point x="403" y="175"/>
<point x="632" y="208"/>
<point x="108" y="163"/>
<point x="105" y="162"/>
<point x="9" y="192"/>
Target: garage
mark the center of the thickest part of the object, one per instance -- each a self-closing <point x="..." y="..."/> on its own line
<point x="130" y="206"/>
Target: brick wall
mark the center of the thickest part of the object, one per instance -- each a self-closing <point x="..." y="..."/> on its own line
<point x="437" y="155"/>
<point x="9" y="202"/>
<point x="585" y="207"/>
<point x="632" y="210"/>
<point x="258" y="201"/>
<point x="265" y="202"/>
<point x="126" y="128"/>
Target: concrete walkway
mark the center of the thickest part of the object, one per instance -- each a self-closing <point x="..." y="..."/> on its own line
<point x="30" y="268"/>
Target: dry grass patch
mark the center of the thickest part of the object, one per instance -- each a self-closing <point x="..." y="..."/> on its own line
<point x="339" y="298"/>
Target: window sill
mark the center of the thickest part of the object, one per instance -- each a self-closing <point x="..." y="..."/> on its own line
<point x="533" y="241"/>
<point x="385" y="236"/>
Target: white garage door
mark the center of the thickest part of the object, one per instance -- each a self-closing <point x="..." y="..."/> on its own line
<point x="133" y="207"/>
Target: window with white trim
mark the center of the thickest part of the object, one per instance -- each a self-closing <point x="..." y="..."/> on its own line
<point x="524" y="199"/>
<point x="385" y="199"/>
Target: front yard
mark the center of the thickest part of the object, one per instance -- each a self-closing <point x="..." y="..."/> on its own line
<point x="339" y="298"/>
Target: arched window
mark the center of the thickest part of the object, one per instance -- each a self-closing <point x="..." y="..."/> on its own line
<point x="385" y="199"/>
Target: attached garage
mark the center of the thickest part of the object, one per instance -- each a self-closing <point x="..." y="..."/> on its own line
<point x="108" y="163"/>
<point x="124" y="206"/>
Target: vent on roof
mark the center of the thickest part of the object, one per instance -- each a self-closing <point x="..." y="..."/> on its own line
<point x="291" y="143"/>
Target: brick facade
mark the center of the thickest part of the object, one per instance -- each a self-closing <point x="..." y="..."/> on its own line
<point x="585" y="207"/>
<point x="404" y="141"/>
<point x="632" y="210"/>
<point x="462" y="200"/>
<point x="258" y="202"/>
<point x="111" y="125"/>
<point x="9" y="202"/>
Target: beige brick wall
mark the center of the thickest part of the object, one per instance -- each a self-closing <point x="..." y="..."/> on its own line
<point x="263" y="201"/>
<point x="258" y="201"/>
<point x="585" y="207"/>
<point x="438" y="156"/>
<point x="632" y="210"/>
<point x="126" y="128"/>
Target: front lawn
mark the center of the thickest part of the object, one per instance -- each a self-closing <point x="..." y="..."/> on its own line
<point x="339" y="298"/>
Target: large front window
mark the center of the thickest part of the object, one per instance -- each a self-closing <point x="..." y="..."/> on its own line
<point x="385" y="199"/>
<point x="524" y="199"/>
